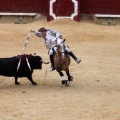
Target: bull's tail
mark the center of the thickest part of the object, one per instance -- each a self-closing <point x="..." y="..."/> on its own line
<point x="44" y="62"/>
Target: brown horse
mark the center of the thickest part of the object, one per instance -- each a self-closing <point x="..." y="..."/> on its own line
<point x="61" y="63"/>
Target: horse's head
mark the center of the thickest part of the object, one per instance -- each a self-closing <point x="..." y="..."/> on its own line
<point x="61" y="50"/>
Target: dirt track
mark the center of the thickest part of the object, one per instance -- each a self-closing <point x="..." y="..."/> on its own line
<point x="94" y="93"/>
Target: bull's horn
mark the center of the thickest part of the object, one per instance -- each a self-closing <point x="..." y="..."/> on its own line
<point x="44" y="62"/>
<point x="34" y="54"/>
<point x="64" y="40"/>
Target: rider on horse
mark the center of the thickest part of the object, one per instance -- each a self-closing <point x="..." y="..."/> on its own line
<point x="52" y="38"/>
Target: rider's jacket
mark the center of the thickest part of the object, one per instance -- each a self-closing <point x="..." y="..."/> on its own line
<point x="52" y="38"/>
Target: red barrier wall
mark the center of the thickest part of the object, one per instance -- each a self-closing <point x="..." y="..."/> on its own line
<point x="24" y="6"/>
<point x="100" y="6"/>
<point x="40" y="6"/>
<point x="67" y="9"/>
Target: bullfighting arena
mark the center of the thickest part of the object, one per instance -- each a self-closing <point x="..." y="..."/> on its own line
<point x="94" y="93"/>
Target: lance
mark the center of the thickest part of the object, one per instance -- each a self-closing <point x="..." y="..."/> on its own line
<point x="26" y="42"/>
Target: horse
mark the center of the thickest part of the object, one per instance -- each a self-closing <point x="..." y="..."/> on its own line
<point x="61" y="63"/>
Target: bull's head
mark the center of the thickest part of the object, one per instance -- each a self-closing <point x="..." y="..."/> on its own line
<point x="37" y="62"/>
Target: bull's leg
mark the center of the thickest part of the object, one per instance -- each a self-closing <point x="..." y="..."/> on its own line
<point x="31" y="80"/>
<point x="16" y="82"/>
<point x="70" y="77"/>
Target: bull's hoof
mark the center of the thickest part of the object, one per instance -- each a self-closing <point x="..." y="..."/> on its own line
<point x="34" y="83"/>
<point x="17" y="83"/>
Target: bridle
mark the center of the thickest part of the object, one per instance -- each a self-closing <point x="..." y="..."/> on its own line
<point x="62" y="51"/>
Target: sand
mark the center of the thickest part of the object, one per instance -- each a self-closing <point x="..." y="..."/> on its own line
<point x="94" y="93"/>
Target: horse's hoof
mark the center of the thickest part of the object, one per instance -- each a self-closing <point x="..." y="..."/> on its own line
<point x="65" y="82"/>
<point x="70" y="78"/>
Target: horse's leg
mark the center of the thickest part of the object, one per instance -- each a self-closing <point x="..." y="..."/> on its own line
<point x="63" y="79"/>
<point x="70" y="77"/>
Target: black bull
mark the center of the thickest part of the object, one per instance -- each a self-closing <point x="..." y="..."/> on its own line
<point x="20" y="66"/>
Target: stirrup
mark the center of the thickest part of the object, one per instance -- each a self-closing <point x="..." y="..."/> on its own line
<point x="78" y="60"/>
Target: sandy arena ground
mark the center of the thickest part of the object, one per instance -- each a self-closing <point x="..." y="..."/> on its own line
<point x="94" y="93"/>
